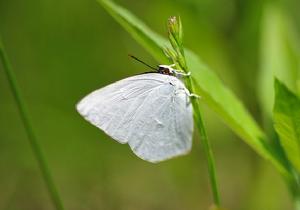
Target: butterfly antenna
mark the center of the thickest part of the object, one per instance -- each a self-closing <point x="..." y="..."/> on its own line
<point x="135" y="58"/>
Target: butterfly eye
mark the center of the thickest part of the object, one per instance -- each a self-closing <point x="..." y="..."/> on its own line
<point x="164" y="70"/>
<point x="161" y="69"/>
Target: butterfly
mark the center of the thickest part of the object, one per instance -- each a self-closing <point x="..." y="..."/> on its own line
<point x="150" y="112"/>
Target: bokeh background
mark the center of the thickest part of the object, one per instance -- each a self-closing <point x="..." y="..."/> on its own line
<point x="61" y="50"/>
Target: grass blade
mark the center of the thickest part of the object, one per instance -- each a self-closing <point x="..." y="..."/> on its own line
<point x="29" y="130"/>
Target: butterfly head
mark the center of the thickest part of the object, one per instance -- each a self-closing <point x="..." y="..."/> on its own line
<point x="165" y="69"/>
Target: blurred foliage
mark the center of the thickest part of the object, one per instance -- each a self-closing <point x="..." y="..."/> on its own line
<point x="280" y="55"/>
<point x="62" y="50"/>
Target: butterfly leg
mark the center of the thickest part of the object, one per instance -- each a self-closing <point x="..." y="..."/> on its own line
<point x="180" y="74"/>
<point x="190" y="95"/>
<point x="193" y="95"/>
<point x="172" y="65"/>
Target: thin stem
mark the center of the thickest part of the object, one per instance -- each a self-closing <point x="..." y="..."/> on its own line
<point x="209" y="156"/>
<point x="29" y="129"/>
<point x="177" y="57"/>
<point x="206" y="147"/>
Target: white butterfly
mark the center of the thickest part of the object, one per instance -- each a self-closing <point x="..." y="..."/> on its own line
<point x="151" y="112"/>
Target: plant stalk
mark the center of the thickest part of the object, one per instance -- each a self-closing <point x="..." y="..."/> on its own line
<point x="177" y="56"/>
<point x="42" y="163"/>
<point x="206" y="147"/>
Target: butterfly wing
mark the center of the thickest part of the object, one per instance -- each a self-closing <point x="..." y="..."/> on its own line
<point x="150" y="112"/>
<point x="118" y="102"/>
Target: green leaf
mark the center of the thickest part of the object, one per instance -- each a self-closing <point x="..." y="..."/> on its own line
<point x="280" y="55"/>
<point x="287" y="122"/>
<point x="207" y="84"/>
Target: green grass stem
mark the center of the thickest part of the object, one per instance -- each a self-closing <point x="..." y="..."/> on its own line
<point x="177" y="56"/>
<point x="207" y="149"/>
<point x="42" y="163"/>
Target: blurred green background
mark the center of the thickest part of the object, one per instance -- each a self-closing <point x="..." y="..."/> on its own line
<point x="62" y="50"/>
